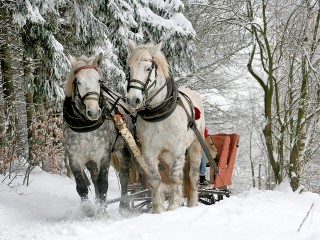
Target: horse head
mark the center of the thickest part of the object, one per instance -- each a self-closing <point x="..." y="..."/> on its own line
<point x="83" y="85"/>
<point x="147" y="64"/>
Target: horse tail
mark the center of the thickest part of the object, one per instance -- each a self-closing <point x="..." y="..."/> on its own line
<point x="186" y="179"/>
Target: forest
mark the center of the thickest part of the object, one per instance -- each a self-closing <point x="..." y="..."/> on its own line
<point x="256" y="63"/>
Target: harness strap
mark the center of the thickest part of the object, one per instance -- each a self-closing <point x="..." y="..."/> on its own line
<point x="114" y="105"/>
<point x="85" y="67"/>
<point x="86" y="96"/>
<point x="115" y="141"/>
<point x="154" y="95"/>
<point x="166" y="108"/>
<point x="114" y="96"/>
<point x="190" y="117"/>
<point x="193" y="126"/>
<point x="155" y="67"/>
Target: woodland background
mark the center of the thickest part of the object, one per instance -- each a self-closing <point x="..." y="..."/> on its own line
<point x="255" y="62"/>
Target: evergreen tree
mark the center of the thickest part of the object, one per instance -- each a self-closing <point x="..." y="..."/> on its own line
<point x="151" y="21"/>
<point x="49" y="30"/>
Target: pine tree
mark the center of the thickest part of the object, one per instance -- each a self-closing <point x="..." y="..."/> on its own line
<point x="152" y="21"/>
<point x="49" y="30"/>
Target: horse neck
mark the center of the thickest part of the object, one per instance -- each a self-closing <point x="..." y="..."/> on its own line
<point x="160" y="96"/>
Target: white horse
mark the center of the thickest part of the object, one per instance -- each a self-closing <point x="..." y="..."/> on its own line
<point x="163" y="124"/>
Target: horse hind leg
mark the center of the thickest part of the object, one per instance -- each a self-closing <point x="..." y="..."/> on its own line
<point x="194" y="158"/>
<point x="124" y="158"/>
<point x="102" y="180"/>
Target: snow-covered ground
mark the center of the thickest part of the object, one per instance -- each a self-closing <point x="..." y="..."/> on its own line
<point x="49" y="209"/>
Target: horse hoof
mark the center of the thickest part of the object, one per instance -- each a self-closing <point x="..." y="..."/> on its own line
<point x="191" y="205"/>
<point x="124" y="205"/>
<point x="157" y="209"/>
<point x="126" y="212"/>
<point x="173" y="207"/>
<point x="87" y="208"/>
<point x="192" y="202"/>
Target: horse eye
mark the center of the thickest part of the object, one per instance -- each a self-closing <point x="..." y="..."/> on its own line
<point x="148" y="69"/>
<point x="76" y="81"/>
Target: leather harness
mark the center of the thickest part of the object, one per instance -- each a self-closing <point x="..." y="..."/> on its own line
<point x="72" y="107"/>
<point x="167" y="107"/>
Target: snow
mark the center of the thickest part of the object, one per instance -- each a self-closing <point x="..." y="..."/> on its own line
<point x="33" y="13"/>
<point x="49" y="209"/>
<point x="176" y="24"/>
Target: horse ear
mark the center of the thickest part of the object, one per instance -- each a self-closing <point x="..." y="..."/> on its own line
<point x="98" y="60"/>
<point x="131" y="44"/>
<point x="158" y="47"/>
<point x="73" y="60"/>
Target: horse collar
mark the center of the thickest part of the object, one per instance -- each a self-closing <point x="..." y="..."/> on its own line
<point x="75" y="119"/>
<point x="166" y="108"/>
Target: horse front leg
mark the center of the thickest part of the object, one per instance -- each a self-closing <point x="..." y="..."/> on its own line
<point x="93" y="169"/>
<point x="154" y="180"/>
<point x="176" y="179"/>
<point x="124" y="158"/>
<point x="81" y="184"/>
<point x="82" y="188"/>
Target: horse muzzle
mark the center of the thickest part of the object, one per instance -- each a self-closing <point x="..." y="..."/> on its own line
<point x="93" y="115"/>
<point x="134" y="102"/>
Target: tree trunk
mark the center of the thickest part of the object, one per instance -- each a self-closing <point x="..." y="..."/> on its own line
<point x="7" y="76"/>
<point x="28" y="78"/>
<point x="251" y="161"/>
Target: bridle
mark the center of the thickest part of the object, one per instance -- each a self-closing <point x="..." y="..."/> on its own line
<point x="145" y="86"/>
<point x="74" y="105"/>
<point x="88" y="95"/>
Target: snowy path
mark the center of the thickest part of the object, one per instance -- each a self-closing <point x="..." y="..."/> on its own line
<point x="49" y="209"/>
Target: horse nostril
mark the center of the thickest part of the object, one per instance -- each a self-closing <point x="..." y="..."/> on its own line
<point x="89" y="113"/>
<point x="138" y="101"/>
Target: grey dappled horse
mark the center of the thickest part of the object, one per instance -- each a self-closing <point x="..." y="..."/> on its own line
<point x="89" y="131"/>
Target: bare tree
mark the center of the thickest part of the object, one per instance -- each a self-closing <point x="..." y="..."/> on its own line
<point x="282" y="38"/>
<point x="284" y="42"/>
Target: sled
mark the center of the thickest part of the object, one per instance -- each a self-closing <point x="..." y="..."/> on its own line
<point x="139" y="192"/>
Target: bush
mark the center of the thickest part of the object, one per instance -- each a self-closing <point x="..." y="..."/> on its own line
<point x="47" y="149"/>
